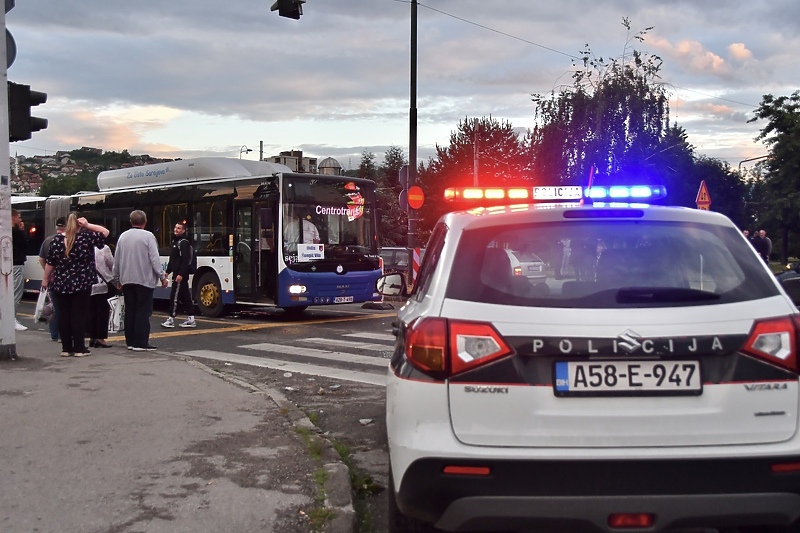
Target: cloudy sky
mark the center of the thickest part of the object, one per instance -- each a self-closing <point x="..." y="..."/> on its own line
<point x="190" y="78"/>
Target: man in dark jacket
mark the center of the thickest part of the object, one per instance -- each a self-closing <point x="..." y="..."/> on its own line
<point x="180" y="261"/>
<point x="19" y="242"/>
<point x="762" y="244"/>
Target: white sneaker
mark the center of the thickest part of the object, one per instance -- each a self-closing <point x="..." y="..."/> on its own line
<point x="169" y="323"/>
<point x="189" y="323"/>
<point x="18" y="326"/>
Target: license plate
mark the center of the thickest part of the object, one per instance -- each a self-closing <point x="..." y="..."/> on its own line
<point x="625" y="378"/>
<point x="343" y="299"/>
<point x="534" y="269"/>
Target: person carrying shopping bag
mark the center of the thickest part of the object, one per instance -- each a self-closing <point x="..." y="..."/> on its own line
<point x="102" y="290"/>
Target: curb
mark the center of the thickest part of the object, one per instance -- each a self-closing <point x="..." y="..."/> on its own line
<point x="338" y="490"/>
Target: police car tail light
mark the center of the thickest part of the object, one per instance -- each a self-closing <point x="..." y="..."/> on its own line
<point x="517" y="271"/>
<point x="775" y="341"/>
<point x="426" y="345"/>
<point x="474" y="344"/>
<point x="443" y="348"/>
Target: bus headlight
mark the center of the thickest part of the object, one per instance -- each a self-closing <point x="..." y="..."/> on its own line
<point x="297" y="289"/>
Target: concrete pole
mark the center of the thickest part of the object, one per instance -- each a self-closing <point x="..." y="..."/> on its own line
<point x="8" y="338"/>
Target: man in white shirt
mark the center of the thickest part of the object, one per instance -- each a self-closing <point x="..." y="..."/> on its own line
<point x="291" y="236"/>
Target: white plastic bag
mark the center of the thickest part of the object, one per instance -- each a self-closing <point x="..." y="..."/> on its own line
<point x="116" y="319"/>
<point x="37" y="314"/>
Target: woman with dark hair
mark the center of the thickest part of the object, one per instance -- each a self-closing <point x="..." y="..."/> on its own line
<point x="71" y="263"/>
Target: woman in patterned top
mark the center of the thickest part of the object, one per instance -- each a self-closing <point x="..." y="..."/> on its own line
<point x="71" y="262"/>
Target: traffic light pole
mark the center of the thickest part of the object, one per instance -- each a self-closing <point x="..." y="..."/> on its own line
<point x="412" y="129"/>
<point x="8" y="339"/>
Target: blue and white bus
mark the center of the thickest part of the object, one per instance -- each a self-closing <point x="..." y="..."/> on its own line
<point x="262" y="235"/>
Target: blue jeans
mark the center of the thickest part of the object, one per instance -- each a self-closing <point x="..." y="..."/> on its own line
<point x="138" y="308"/>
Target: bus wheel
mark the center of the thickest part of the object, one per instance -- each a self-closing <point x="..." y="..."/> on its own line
<point x="209" y="295"/>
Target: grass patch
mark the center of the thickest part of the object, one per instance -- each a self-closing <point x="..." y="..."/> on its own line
<point x="363" y="485"/>
<point x="319" y="515"/>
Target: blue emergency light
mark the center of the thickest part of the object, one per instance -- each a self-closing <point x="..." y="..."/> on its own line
<point x="624" y="192"/>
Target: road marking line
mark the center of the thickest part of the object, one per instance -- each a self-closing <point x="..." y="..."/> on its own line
<point x="288" y="366"/>
<point x="373" y="336"/>
<point x="200" y="330"/>
<point x="350" y="344"/>
<point x="343" y="357"/>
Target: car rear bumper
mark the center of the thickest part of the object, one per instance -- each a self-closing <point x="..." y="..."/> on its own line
<point x="580" y="495"/>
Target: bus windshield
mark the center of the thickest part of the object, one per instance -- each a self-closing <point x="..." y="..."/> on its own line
<point x="323" y="219"/>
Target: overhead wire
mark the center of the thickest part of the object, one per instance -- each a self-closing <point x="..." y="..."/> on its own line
<point x="554" y="50"/>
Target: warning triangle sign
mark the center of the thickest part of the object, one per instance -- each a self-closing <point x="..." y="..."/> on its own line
<point x="703" y="196"/>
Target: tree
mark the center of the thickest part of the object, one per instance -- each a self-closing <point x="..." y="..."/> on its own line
<point x="367" y="167"/>
<point x="502" y="160"/>
<point x="609" y="122"/>
<point x="394" y="221"/>
<point x="67" y="185"/>
<point x="781" y="135"/>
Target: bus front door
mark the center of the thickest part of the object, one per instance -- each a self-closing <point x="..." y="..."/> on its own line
<point x="243" y="254"/>
<point x="267" y="275"/>
<point x="255" y="262"/>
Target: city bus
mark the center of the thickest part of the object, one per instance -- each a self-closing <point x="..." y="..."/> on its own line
<point x="262" y="234"/>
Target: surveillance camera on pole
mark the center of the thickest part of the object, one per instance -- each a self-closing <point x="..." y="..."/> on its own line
<point x="288" y="8"/>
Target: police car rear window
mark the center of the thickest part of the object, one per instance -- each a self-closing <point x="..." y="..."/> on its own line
<point x="607" y="264"/>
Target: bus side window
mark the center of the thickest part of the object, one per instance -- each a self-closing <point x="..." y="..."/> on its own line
<point x="215" y="243"/>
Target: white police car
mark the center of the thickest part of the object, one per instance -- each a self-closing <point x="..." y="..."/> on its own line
<point x="649" y="383"/>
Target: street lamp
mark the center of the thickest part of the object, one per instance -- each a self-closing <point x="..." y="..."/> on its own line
<point x="244" y="150"/>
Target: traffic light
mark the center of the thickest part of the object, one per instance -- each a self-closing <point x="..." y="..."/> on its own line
<point x="20" y="122"/>
<point x="288" y="8"/>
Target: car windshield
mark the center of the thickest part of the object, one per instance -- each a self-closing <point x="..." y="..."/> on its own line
<point x="395" y="256"/>
<point x="598" y="264"/>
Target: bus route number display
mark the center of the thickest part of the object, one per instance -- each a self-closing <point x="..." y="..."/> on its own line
<point x="310" y="252"/>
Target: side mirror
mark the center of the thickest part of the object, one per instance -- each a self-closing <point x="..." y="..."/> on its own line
<point x="391" y="285"/>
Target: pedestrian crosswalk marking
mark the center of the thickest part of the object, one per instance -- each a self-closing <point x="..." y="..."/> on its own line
<point x="290" y="366"/>
<point x="374" y="336"/>
<point x="321" y="354"/>
<point x="350" y="344"/>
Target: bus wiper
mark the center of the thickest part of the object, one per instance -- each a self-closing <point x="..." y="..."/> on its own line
<point x="630" y="295"/>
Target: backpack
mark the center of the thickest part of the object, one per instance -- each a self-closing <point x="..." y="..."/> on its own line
<point x="192" y="258"/>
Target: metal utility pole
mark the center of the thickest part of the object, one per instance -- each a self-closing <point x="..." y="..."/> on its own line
<point x="412" y="128"/>
<point x="475" y="154"/>
<point x="8" y="339"/>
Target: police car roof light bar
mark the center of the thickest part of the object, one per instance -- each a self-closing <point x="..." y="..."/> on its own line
<point x="554" y="193"/>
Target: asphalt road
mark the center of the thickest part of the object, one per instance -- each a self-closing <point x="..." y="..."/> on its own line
<point x="330" y="362"/>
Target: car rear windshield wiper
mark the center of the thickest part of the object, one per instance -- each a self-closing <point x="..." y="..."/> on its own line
<point x="630" y="295"/>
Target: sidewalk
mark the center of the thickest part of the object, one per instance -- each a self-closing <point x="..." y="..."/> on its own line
<point x="123" y="441"/>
